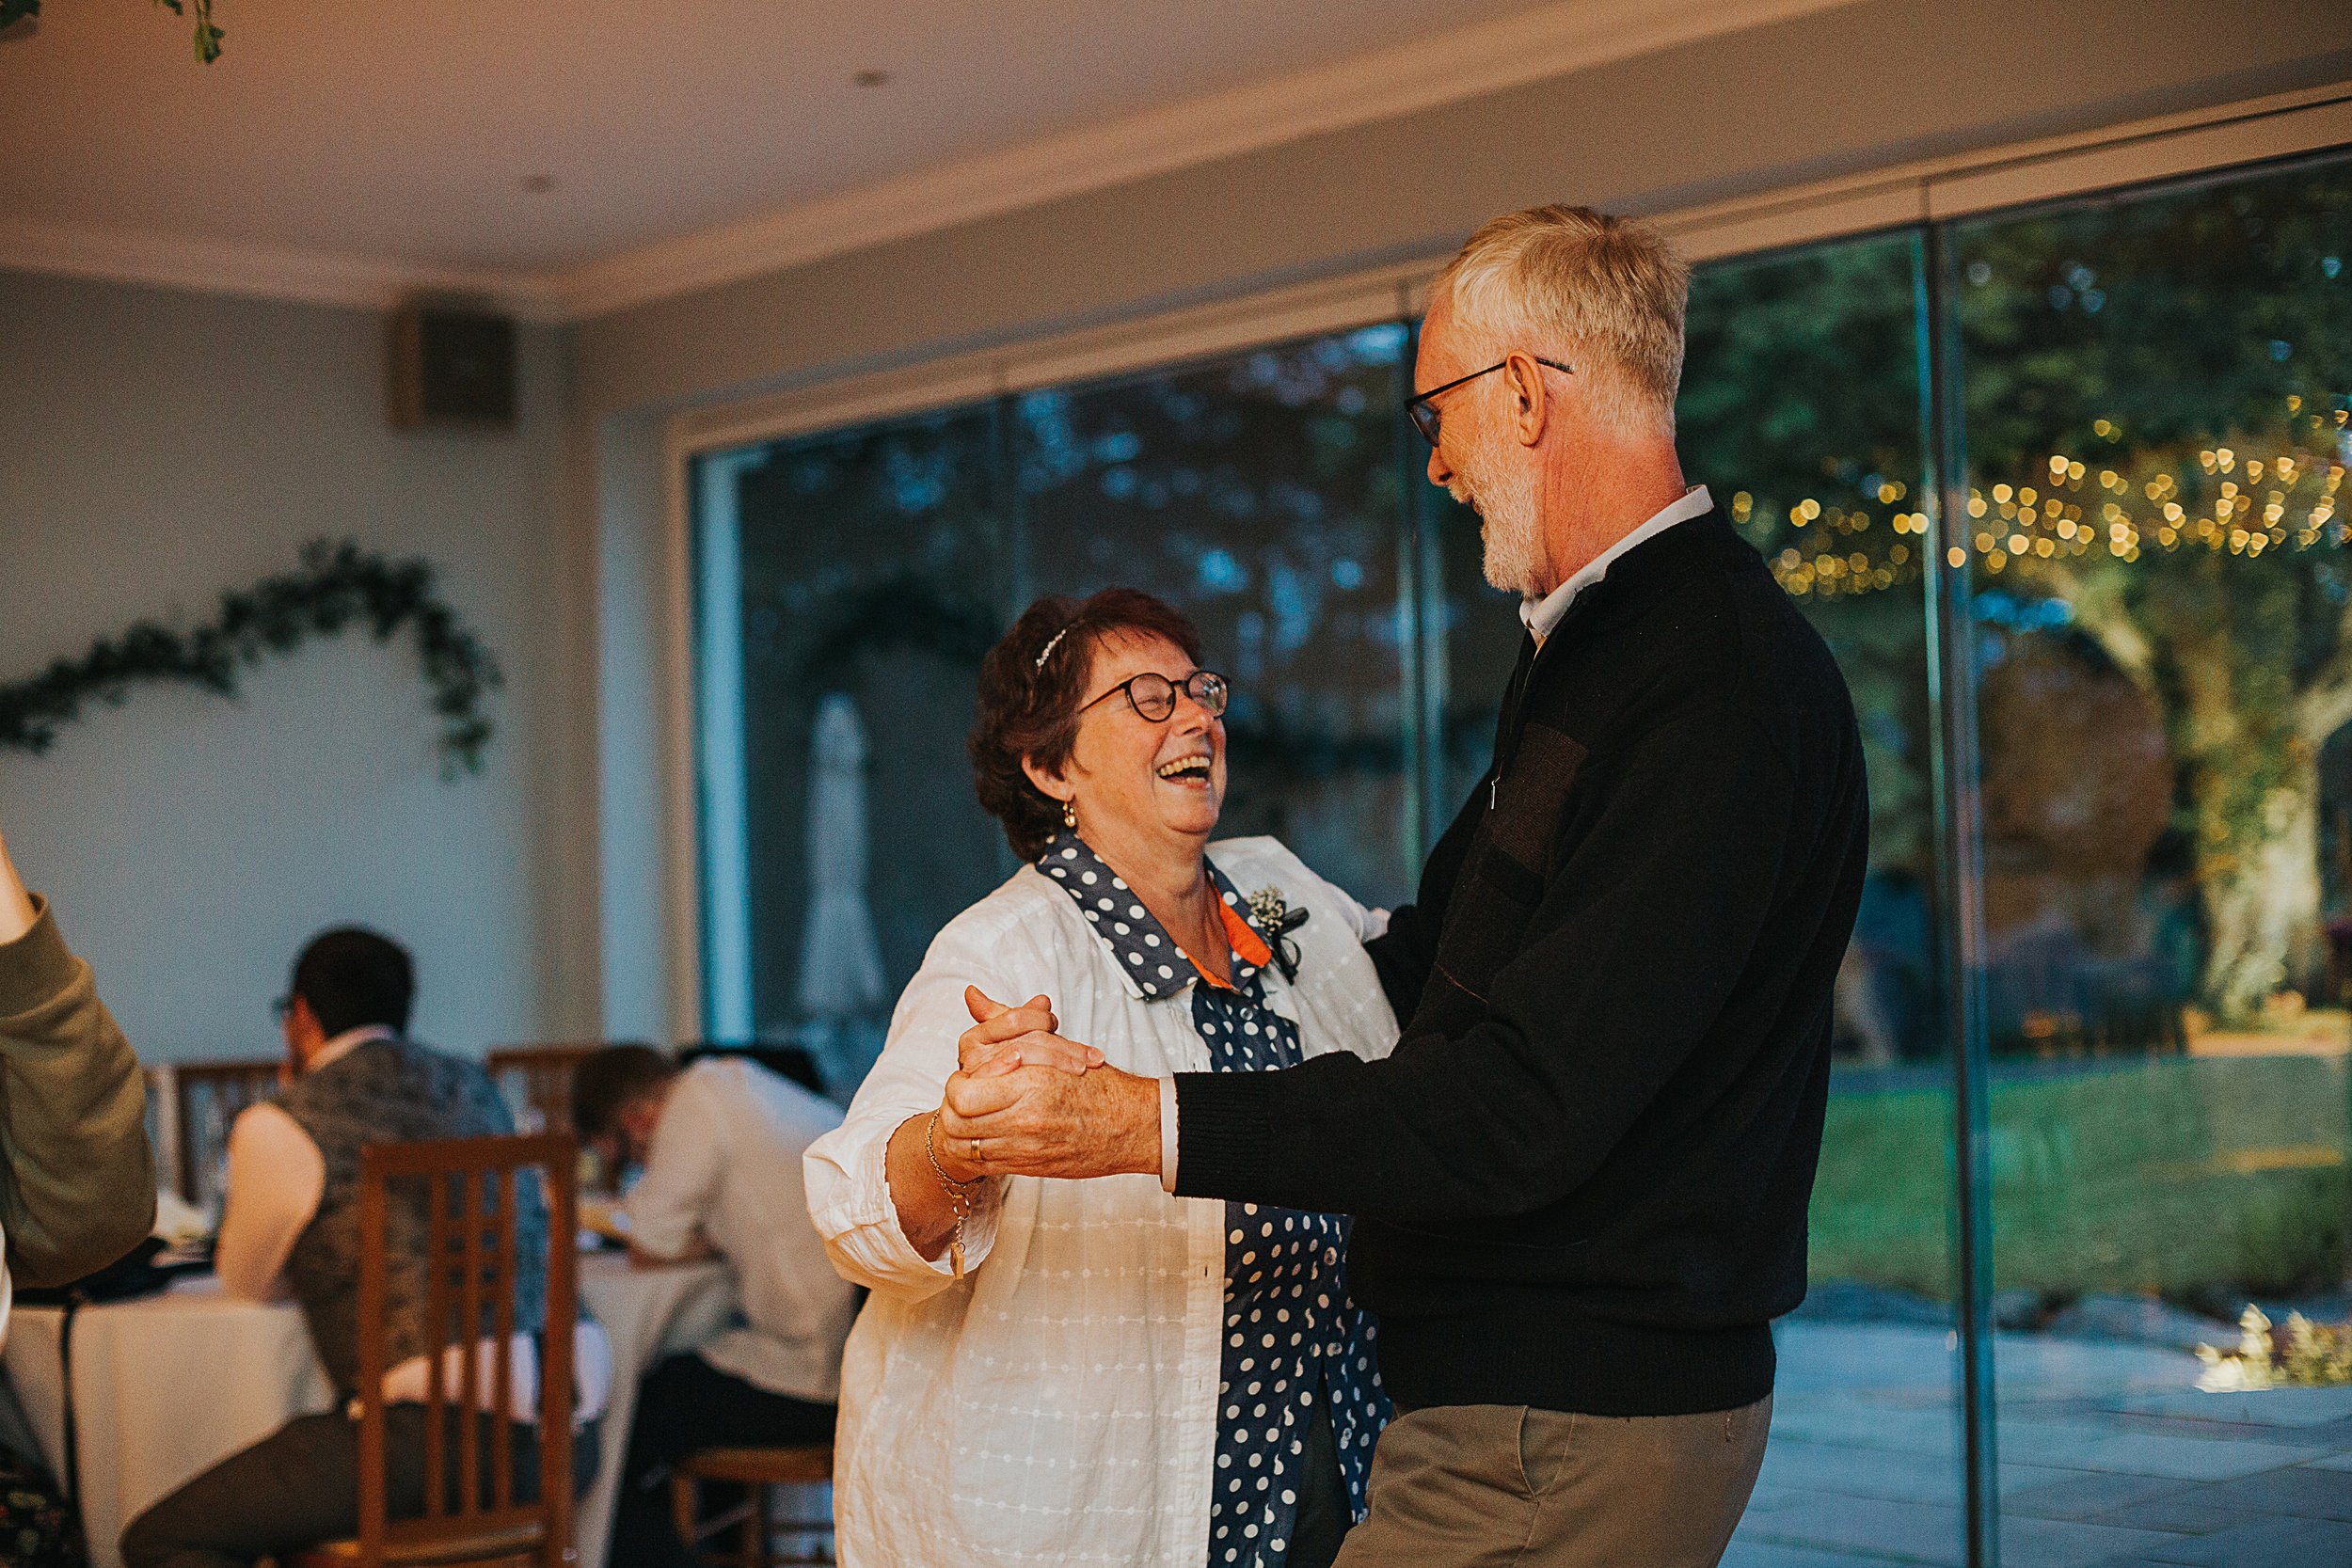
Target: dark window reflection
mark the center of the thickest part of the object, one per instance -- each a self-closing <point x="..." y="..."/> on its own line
<point x="1260" y="496"/>
<point x="869" y="562"/>
<point x="1800" y="410"/>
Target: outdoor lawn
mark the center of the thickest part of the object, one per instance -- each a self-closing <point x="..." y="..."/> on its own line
<point x="2160" y="1175"/>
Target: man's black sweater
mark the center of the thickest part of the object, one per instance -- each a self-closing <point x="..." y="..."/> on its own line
<point x="1579" y="1182"/>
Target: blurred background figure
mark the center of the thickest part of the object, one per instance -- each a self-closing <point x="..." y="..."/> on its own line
<point x="719" y="1145"/>
<point x="291" y="1227"/>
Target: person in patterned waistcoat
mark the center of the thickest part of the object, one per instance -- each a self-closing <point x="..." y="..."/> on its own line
<point x="292" y="1229"/>
<point x="1100" y="1373"/>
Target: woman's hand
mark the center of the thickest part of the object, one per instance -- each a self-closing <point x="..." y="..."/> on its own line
<point x="1002" y="1039"/>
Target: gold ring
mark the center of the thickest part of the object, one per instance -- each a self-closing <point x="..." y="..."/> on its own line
<point x="973" y="1149"/>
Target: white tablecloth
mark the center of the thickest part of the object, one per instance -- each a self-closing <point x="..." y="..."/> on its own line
<point x="166" y="1387"/>
<point x="649" y="1314"/>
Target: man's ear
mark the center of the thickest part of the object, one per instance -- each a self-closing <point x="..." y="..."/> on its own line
<point x="1530" y="408"/>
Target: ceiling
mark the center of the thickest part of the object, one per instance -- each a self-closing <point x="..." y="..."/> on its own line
<point x="596" y="154"/>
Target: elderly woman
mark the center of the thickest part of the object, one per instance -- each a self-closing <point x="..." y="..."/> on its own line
<point x="1099" y="1372"/>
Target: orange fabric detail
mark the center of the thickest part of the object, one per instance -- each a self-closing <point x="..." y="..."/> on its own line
<point x="1244" y="937"/>
<point x="1241" y="938"/>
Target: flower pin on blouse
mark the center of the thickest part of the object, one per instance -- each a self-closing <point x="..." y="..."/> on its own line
<point x="1275" y="917"/>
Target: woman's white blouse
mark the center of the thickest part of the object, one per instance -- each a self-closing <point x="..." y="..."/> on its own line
<point x="1059" y="1404"/>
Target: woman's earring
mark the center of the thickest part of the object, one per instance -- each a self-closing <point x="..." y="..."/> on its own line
<point x="1070" y="813"/>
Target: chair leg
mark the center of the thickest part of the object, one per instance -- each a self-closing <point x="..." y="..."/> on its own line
<point x="763" y="1499"/>
<point x="682" y="1500"/>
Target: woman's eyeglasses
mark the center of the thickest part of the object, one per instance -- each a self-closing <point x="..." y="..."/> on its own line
<point x="1153" y="695"/>
<point x="1424" y="413"/>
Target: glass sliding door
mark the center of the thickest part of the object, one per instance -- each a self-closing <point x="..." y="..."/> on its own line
<point x="2155" y="387"/>
<point x="864" y="569"/>
<point x="849" y="583"/>
<point x="1800" y="410"/>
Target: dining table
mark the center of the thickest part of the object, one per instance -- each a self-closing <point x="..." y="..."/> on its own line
<point x="165" y="1385"/>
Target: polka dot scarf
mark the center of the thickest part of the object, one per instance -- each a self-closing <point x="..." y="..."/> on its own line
<point x="1291" y="1329"/>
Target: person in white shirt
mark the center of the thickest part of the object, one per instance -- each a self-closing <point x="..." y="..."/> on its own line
<point x="291" y="1228"/>
<point x="1099" y="1371"/>
<point x="720" y="1143"/>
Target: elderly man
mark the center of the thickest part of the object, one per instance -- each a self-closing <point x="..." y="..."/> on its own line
<point x="1581" y="1181"/>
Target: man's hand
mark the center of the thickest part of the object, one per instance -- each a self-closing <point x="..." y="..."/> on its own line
<point x="1044" y="1121"/>
<point x="1002" y="1039"/>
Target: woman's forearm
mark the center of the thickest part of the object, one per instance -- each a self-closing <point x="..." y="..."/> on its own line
<point x="927" y="1213"/>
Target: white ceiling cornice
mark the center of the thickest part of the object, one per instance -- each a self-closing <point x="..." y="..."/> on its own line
<point x="1489" y="58"/>
<point x="259" y="271"/>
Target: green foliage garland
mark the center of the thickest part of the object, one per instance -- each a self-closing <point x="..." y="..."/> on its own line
<point x="336" y="586"/>
<point x="207" y="36"/>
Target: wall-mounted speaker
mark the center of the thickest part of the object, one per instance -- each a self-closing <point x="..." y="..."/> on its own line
<point x="451" y="365"/>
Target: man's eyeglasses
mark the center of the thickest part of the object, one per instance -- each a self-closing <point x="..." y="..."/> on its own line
<point x="1424" y="413"/>
<point x="1153" y="695"/>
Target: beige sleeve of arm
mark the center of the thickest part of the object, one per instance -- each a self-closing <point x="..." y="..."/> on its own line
<point x="78" y="1181"/>
<point x="276" y="1178"/>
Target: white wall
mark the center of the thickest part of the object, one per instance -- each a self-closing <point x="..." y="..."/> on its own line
<point x="158" y="446"/>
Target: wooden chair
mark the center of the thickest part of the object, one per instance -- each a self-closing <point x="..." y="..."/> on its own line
<point x="206" y="1098"/>
<point x="761" y="1470"/>
<point x="546" y="1071"/>
<point x="470" y="1243"/>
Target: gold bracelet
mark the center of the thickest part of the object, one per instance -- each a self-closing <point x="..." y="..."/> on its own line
<point x="959" y="1194"/>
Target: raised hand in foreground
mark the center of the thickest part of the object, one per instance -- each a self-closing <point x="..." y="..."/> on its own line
<point x="16" y="905"/>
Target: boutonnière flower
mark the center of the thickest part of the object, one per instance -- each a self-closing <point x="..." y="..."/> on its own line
<point x="1278" y="920"/>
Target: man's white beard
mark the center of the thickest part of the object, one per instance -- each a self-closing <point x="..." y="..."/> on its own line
<point x="1513" y="531"/>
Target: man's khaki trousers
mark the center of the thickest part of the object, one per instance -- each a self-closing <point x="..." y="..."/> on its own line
<point x="1459" y="1485"/>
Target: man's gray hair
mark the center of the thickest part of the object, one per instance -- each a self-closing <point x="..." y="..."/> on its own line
<point x="1604" y="294"/>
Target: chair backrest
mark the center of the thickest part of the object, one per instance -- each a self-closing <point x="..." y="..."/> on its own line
<point x="206" y="1098"/>
<point x="543" y="1075"/>
<point x="473" y="1186"/>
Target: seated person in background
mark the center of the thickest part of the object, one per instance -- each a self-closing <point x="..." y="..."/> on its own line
<point x="721" y="1143"/>
<point x="292" y="1228"/>
<point x="77" y="1184"/>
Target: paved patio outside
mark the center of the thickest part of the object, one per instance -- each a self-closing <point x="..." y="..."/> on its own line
<point x="2110" y="1458"/>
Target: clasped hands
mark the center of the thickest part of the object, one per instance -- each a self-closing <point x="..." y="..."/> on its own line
<point x="1025" y="1101"/>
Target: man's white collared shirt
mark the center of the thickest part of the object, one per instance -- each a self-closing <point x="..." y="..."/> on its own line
<point x="1541" y="615"/>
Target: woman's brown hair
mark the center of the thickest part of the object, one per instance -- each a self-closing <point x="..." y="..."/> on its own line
<point x="1032" y="686"/>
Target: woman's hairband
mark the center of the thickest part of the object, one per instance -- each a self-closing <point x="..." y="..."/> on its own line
<point x="1052" y="642"/>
